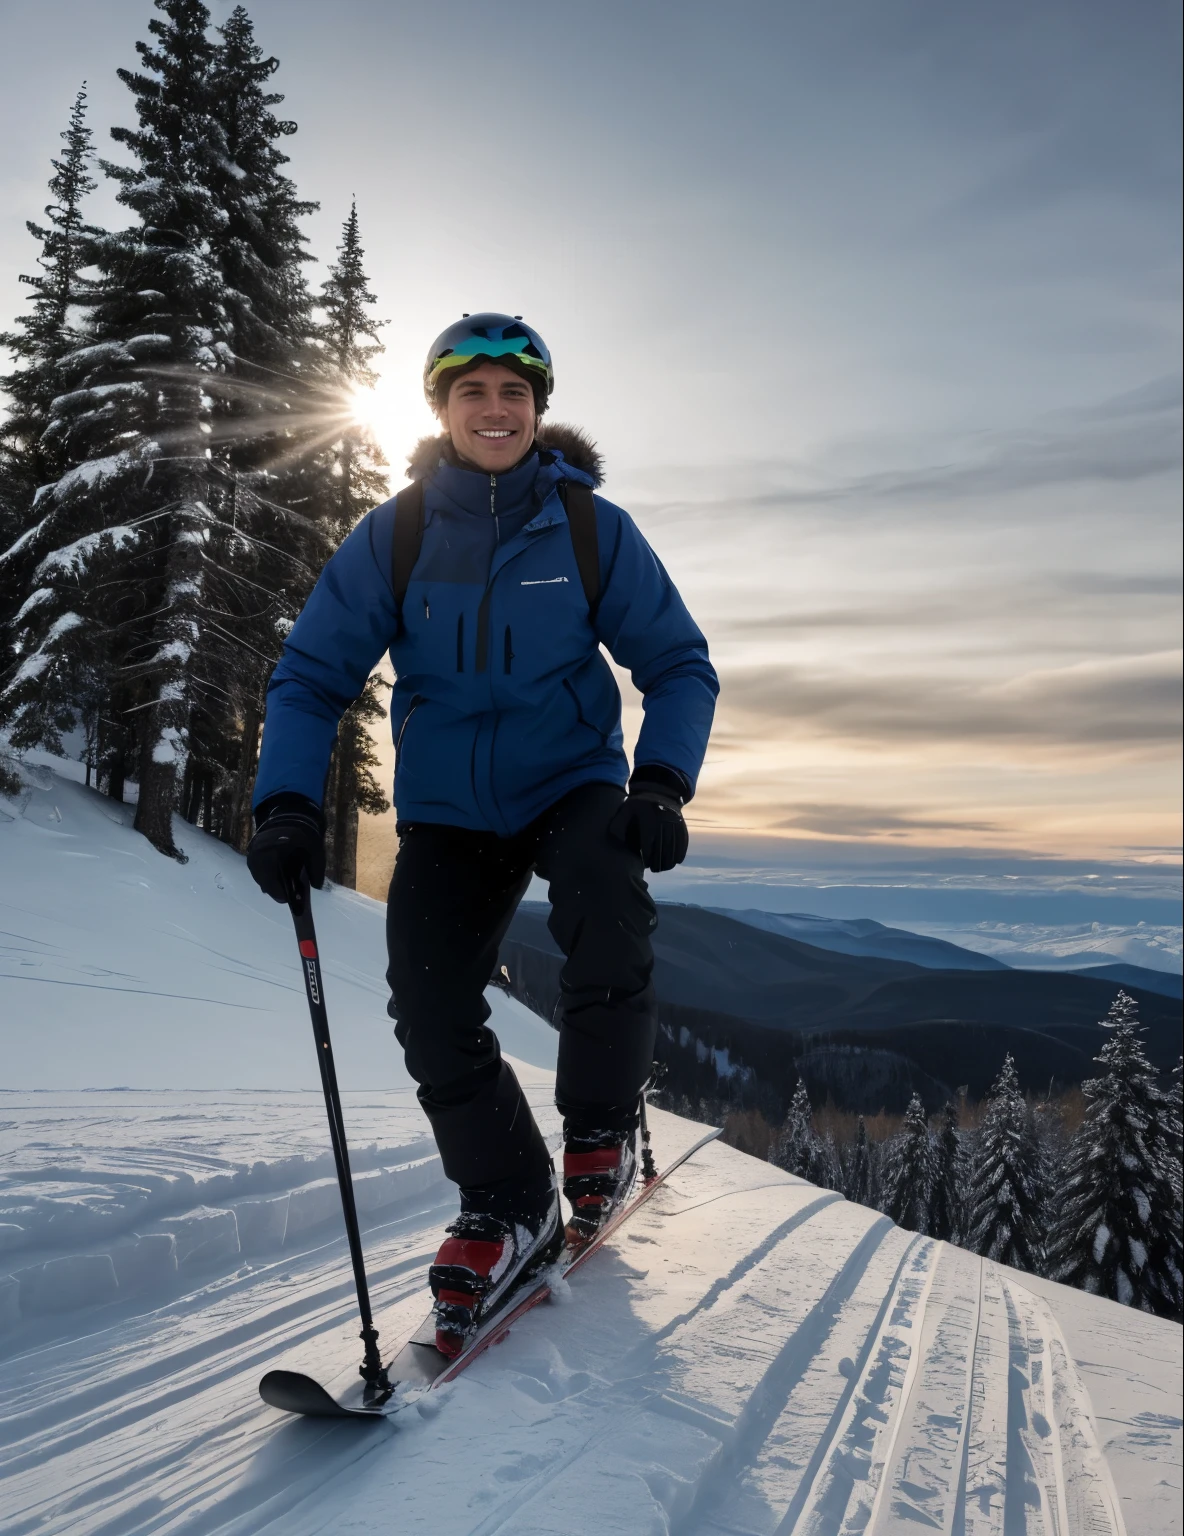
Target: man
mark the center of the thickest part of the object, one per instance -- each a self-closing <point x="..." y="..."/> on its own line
<point x="494" y="588"/>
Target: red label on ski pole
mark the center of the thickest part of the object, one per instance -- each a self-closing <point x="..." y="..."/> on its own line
<point x="308" y="949"/>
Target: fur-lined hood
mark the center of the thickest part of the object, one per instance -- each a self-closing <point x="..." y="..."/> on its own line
<point x="576" y="446"/>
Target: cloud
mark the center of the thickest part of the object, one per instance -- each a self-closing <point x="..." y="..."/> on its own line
<point x="1131" y="702"/>
<point x="1128" y="438"/>
<point x="905" y="614"/>
<point x="1053" y="600"/>
<point x="836" y="820"/>
<point x="1117" y="583"/>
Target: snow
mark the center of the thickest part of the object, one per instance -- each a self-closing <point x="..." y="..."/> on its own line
<point x="74" y="555"/>
<point x="1132" y="1366"/>
<point x="32" y="666"/>
<point x="34" y="600"/>
<point x="92" y="474"/>
<point x="171" y="745"/>
<point x="27" y="538"/>
<point x="749" y="1355"/>
<point x="125" y="968"/>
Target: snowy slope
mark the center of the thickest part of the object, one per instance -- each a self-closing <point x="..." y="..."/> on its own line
<point x="749" y="1355"/>
<point x="125" y="969"/>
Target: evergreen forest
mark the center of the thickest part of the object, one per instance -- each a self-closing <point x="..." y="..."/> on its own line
<point x="1084" y="1189"/>
<point x="179" y="454"/>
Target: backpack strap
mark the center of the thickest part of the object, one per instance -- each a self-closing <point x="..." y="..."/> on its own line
<point x="406" y="541"/>
<point x="581" y="519"/>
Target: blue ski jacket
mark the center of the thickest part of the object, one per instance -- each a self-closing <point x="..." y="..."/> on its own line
<point x="503" y="700"/>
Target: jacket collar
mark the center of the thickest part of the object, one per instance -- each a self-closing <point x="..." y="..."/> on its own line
<point x="476" y="492"/>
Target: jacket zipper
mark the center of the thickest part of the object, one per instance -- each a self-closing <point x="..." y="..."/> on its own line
<point x="482" y="660"/>
<point x="509" y="649"/>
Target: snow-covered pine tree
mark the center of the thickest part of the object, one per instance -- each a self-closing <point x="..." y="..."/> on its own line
<point x="268" y="425"/>
<point x="1005" y="1198"/>
<point x="907" y="1180"/>
<point x="48" y="331"/>
<point x="37" y="342"/>
<point x="358" y="482"/>
<point x="827" y="1170"/>
<point x="350" y="337"/>
<point x="858" y="1184"/>
<point x="1118" y="1229"/>
<point x="946" y="1207"/>
<point x="1176" y="1129"/>
<point x="796" y="1148"/>
<point x="121" y="534"/>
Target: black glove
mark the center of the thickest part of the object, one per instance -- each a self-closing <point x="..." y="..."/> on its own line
<point x="289" y="837"/>
<point x="650" y="822"/>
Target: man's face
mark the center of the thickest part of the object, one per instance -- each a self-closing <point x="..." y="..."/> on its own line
<point x="490" y="417"/>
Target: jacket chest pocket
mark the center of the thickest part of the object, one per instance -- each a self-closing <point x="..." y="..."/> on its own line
<point x="443" y="630"/>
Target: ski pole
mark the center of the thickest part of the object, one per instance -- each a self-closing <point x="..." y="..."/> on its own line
<point x="300" y="905"/>
<point x="649" y="1169"/>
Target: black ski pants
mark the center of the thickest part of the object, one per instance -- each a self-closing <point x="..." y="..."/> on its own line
<point x="452" y="896"/>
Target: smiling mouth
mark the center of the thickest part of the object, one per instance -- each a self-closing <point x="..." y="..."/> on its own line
<point x="493" y="432"/>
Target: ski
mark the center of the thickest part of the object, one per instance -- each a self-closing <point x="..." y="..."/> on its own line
<point x="419" y="1364"/>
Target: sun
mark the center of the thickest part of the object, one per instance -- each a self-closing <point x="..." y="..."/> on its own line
<point x="393" y="412"/>
<point x="367" y="408"/>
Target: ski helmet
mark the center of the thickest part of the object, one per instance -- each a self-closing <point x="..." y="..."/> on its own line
<point x="488" y="338"/>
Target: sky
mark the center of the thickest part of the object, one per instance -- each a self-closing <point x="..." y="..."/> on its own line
<point x="874" y="312"/>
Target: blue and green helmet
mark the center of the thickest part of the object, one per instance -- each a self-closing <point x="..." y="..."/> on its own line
<point x="488" y="338"/>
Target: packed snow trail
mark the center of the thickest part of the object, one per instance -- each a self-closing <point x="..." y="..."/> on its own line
<point x="749" y="1355"/>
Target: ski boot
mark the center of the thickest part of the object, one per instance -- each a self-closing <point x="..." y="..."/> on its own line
<point x="488" y="1253"/>
<point x="599" y="1172"/>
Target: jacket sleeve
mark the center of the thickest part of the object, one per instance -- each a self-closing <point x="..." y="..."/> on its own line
<point x="645" y="626"/>
<point x="345" y="626"/>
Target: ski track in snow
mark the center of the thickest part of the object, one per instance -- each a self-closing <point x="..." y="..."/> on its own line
<point x="750" y="1356"/>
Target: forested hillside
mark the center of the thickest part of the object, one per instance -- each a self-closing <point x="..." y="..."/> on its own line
<point x="746" y="1012"/>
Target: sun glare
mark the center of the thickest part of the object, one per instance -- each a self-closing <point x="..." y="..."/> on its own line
<point x="365" y="408"/>
<point x="394" y="411"/>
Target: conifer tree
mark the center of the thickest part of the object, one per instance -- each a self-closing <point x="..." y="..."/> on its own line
<point x="1175" y="1126"/>
<point x="266" y="428"/>
<point x="1006" y="1199"/>
<point x="908" y="1172"/>
<point x="945" y="1212"/>
<point x="1118" y="1232"/>
<point x="797" y="1148"/>
<point x="37" y="342"/>
<point x="349" y="336"/>
<point x="859" y="1184"/>
<point x="43" y="335"/>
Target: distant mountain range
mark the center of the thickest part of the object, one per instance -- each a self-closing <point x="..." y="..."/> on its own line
<point x="862" y="936"/>
<point x="746" y="1008"/>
